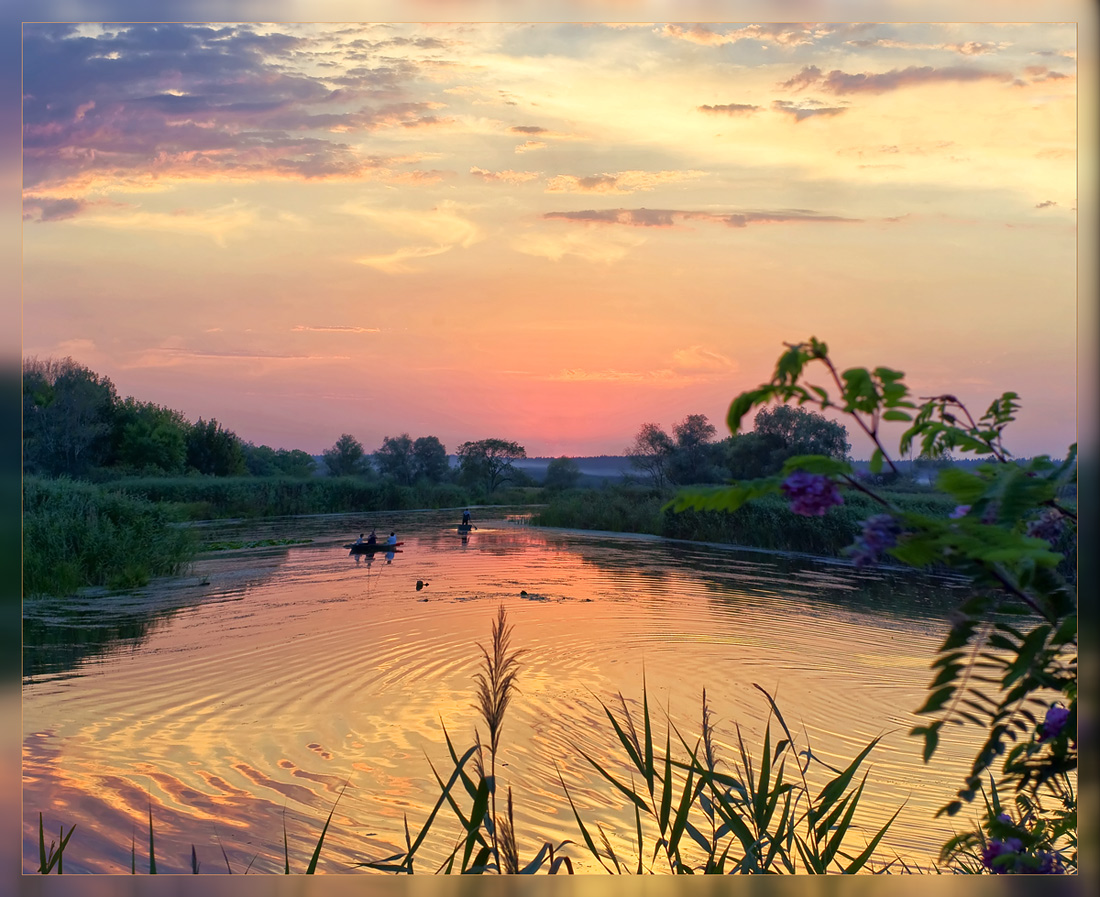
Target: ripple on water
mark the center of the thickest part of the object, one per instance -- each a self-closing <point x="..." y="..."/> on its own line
<point x="289" y="674"/>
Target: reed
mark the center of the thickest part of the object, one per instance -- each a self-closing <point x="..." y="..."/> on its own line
<point x="753" y="821"/>
<point x="76" y="534"/>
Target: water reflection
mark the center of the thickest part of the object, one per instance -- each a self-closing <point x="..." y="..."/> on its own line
<point x="295" y="669"/>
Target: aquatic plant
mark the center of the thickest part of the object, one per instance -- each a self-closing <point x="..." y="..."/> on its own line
<point x="755" y="820"/>
<point x="488" y="838"/>
<point x="1012" y="646"/>
<point x="76" y="534"/>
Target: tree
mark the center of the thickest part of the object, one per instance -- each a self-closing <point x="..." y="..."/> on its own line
<point x="561" y="473"/>
<point x="651" y="452"/>
<point x="395" y="458"/>
<point x="295" y="463"/>
<point x="803" y="432"/>
<point x="148" y="437"/>
<point x="695" y="455"/>
<point x="429" y="461"/>
<point x="779" y="433"/>
<point x="488" y="462"/>
<point x="67" y="413"/>
<point x="345" y="458"/>
<point x="213" y="450"/>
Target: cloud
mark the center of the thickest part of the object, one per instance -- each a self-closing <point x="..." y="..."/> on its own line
<point x="619" y="183"/>
<point x="301" y="328"/>
<point x="806" y="109"/>
<point x="193" y="102"/>
<point x="35" y="208"/>
<point x="966" y="48"/>
<point x="527" y="129"/>
<point x="438" y="230"/>
<point x="785" y="34"/>
<point x="667" y="217"/>
<point x="730" y="109"/>
<point x="842" y="83"/>
<point x="218" y="224"/>
<point x="702" y="360"/>
<point x="508" y="176"/>
<point x="1046" y="204"/>
<point x="529" y="145"/>
<point x="603" y="248"/>
<point x="611" y="375"/>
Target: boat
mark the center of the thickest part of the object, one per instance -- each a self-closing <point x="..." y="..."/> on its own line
<point x="465" y="527"/>
<point x="361" y="547"/>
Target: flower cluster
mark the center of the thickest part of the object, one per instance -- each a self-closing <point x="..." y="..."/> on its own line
<point x="1053" y="723"/>
<point x="811" y="494"/>
<point x="879" y="533"/>
<point x="960" y="511"/>
<point x="1049" y="863"/>
<point x="1047" y="525"/>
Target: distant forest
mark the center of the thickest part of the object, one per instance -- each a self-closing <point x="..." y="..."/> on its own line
<point x="75" y="424"/>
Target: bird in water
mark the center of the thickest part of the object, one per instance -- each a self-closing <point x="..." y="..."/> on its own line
<point x="420" y="584"/>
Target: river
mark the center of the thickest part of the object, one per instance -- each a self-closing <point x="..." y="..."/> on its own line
<point x="241" y="697"/>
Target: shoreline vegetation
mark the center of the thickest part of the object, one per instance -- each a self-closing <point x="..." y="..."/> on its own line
<point x="123" y="533"/>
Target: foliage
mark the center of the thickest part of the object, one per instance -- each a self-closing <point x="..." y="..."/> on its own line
<point x="345" y="458"/>
<point x="395" y="458"/>
<point x="1011" y="653"/>
<point x="264" y="461"/>
<point x="66" y="417"/>
<point x="694" y="456"/>
<point x="429" y="460"/>
<point x="76" y="534"/>
<point x="779" y="433"/>
<point x="754" y="821"/>
<point x="488" y="462"/>
<point x="650" y="453"/>
<point x="213" y="450"/>
<point x="561" y="473"/>
<point x="205" y="498"/>
<point x="148" y="437"/>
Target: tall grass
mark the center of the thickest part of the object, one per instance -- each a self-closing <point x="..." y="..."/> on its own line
<point x="76" y="534"/>
<point x="765" y="523"/>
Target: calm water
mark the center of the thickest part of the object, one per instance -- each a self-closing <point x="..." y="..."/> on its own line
<point x="253" y="688"/>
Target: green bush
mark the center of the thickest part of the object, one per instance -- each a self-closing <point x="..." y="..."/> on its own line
<point x="76" y="534"/>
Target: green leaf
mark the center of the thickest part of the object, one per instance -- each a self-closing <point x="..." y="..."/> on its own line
<point x="894" y="414"/>
<point x="877" y="458"/>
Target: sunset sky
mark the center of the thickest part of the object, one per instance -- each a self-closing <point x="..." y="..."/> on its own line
<point x="548" y="233"/>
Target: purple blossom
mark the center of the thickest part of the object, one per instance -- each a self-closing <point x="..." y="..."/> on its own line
<point x="1005" y="818"/>
<point x="1054" y="722"/>
<point x="1050" y="863"/>
<point x="960" y="511"/>
<point x="879" y="533"/>
<point x="997" y="848"/>
<point x="811" y="494"/>
<point x="1048" y="525"/>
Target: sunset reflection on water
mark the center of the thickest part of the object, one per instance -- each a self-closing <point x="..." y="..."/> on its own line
<point x="295" y="670"/>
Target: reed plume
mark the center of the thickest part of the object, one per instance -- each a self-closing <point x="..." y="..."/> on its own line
<point x="495" y="684"/>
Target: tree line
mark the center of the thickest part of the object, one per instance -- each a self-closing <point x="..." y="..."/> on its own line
<point x="75" y="424"/>
<point x="692" y="454"/>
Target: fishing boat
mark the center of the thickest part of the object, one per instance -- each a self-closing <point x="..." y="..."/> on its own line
<point x="465" y="527"/>
<point x="363" y="547"/>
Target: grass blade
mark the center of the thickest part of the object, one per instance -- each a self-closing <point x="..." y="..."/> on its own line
<point x="584" y="831"/>
<point x="152" y="855"/>
<point x="317" y="850"/>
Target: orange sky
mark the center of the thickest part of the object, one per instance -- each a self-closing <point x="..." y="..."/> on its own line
<point x="548" y="233"/>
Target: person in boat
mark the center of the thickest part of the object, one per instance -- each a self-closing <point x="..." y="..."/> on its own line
<point x="372" y="539"/>
<point x="392" y="540"/>
<point x="466" y="518"/>
<point x="359" y="541"/>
